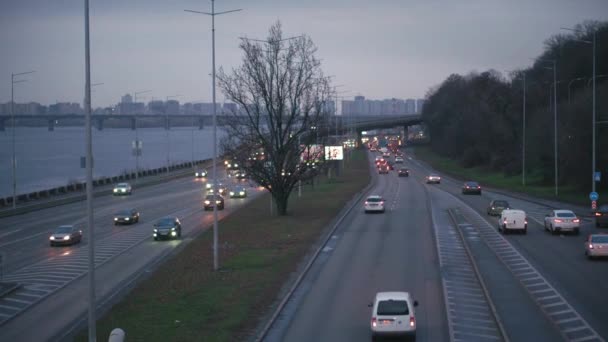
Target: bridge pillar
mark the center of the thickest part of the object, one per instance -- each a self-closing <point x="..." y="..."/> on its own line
<point x="133" y="123"/>
<point x="2" y="125"/>
<point x="359" y="137"/>
<point x="99" y="125"/>
<point x="167" y="122"/>
<point x="51" y="125"/>
<point x="201" y="123"/>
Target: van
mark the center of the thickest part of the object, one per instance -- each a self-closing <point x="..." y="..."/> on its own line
<point x="513" y="219"/>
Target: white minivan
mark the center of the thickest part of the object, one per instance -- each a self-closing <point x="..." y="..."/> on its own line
<point x="513" y="219"/>
<point x="393" y="315"/>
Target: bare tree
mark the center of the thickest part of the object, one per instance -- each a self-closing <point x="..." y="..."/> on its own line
<point x="282" y="99"/>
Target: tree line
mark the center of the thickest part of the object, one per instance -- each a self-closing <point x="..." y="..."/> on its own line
<point x="477" y="118"/>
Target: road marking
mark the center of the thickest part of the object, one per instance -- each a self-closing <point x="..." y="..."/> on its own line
<point x="9" y="233"/>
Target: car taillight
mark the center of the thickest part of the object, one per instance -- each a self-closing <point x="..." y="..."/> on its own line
<point x="590" y="246"/>
<point x="598" y="214"/>
<point x="366" y="202"/>
<point x="467" y="187"/>
<point x="504" y="221"/>
<point x="478" y="187"/>
<point x="381" y="202"/>
<point x="374" y="323"/>
<point x="412" y="321"/>
<point x="576" y="220"/>
<point x="526" y="222"/>
<point x="558" y="221"/>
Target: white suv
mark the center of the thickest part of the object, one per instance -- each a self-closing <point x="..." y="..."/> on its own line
<point x="562" y="220"/>
<point x="374" y="203"/>
<point x="393" y="315"/>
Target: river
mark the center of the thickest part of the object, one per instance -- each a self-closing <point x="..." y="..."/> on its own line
<point x="46" y="159"/>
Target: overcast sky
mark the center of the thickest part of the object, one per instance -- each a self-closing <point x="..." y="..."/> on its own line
<point x="375" y="48"/>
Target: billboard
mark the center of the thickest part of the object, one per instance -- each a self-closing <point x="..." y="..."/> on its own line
<point x="312" y="153"/>
<point x="334" y="153"/>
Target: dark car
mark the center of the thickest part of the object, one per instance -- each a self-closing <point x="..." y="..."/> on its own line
<point x="390" y="165"/>
<point x="127" y="216"/>
<point x="65" y="235"/>
<point x="471" y="188"/>
<point x="601" y="215"/>
<point x="212" y="200"/>
<point x="200" y="173"/>
<point x="240" y="174"/>
<point x="404" y="172"/>
<point x="238" y="192"/>
<point x="167" y="228"/>
<point x="383" y="169"/>
<point x="497" y="206"/>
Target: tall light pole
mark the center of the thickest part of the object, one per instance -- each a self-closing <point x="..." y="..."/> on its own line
<point x="167" y="128"/>
<point x="213" y="13"/>
<point x="593" y="104"/>
<point x="89" y="174"/>
<point x="137" y="144"/>
<point x="555" y="149"/>
<point x="14" y="159"/>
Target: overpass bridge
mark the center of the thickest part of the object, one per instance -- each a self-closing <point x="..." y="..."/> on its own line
<point x="341" y="123"/>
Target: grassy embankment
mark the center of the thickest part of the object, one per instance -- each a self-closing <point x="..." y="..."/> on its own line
<point x="499" y="180"/>
<point x="184" y="300"/>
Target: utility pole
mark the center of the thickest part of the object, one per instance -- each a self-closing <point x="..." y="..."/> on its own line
<point x="137" y="143"/>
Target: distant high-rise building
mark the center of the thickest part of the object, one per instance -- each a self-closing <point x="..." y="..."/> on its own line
<point x="420" y="105"/>
<point x="156" y="107"/>
<point x="65" y="108"/>
<point x="127" y="98"/>
<point x="172" y="107"/>
<point x="410" y="106"/>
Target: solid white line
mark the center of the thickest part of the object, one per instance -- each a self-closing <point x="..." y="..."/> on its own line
<point x="23" y="239"/>
<point x="9" y="233"/>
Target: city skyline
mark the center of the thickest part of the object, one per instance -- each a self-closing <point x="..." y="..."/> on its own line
<point x="154" y="45"/>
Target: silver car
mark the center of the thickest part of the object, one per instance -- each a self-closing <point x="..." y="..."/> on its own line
<point x="65" y="235"/>
<point x="561" y="221"/>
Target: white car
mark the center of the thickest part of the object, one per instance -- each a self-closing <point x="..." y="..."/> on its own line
<point x="122" y="189"/>
<point x="399" y="160"/>
<point x="562" y="220"/>
<point x="512" y="219"/>
<point x="596" y="246"/>
<point x="393" y="314"/>
<point x="374" y="204"/>
<point x="433" y="178"/>
<point x="200" y="174"/>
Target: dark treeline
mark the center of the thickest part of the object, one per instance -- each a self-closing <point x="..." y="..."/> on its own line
<point x="477" y="118"/>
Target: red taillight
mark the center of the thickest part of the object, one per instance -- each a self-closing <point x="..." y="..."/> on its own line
<point x="558" y="221"/>
<point x="374" y="323"/>
<point x="366" y="202"/>
<point x="525" y="222"/>
<point x="590" y="246"/>
<point x="576" y="220"/>
<point x="412" y="321"/>
<point x="598" y="214"/>
<point x="381" y="202"/>
<point x="504" y="221"/>
<point x="478" y="187"/>
<point x="467" y="186"/>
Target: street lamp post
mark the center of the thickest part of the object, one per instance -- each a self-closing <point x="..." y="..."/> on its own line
<point x="167" y="128"/>
<point x="215" y="224"/>
<point x="14" y="159"/>
<point x="555" y="149"/>
<point x="570" y="83"/>
<point x="593" y="165"/>
<point x="137" y="144"/>
<point x="89" y="174"/>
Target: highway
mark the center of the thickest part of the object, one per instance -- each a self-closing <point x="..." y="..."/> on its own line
<point x="526" y="287"/>
<point x="54" y="276"/>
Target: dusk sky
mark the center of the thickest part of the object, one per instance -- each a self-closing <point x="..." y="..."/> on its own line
<point x="375" y="48"/>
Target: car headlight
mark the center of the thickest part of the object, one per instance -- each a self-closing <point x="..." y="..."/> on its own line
<point x="155" y="230"/>
<point x="231" y="193"/>
<point x="115" y="190"/>
<point x="173" y="233"/>
<point x="67" y="237"/>
<point x="123" y="190"/>
<point x="173" y="228"/>
<point x="154" y="234"/>
<point x="218" y="202"/>
<point x="242" y="193"/>
<point x="127" y="219"/>
<point x="116" y="219"/>
<point x="52" y="238"/>
<point x="207" y="202"/>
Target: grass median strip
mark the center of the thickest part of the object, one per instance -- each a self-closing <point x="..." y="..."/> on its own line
<point x="184" y="300"/>
<point x="499" y="180"/>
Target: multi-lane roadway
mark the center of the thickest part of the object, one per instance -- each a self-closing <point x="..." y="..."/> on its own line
<point x="53" y="292"/>
<point x="472" y="283"/>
